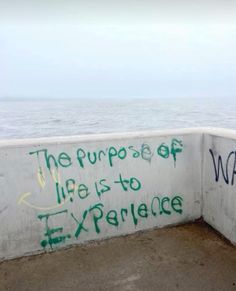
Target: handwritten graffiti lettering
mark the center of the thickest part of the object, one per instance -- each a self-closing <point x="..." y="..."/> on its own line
<point x="159" y="206"/>
<point x="98" y="191"/>
<point x="133" y="183"/>
<point x="66" y="191"/>
<point x="64" y="160"/>
<point x="100" y="187"/>
<point x="71" y="189"/>
<point x="223" y="167"/>
<point x="176" y="147"/>
<point x="49" y="232"/>
<point x="109" y="155"/>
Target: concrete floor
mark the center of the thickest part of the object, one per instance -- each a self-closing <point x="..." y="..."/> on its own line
<point x="189" y="257"/>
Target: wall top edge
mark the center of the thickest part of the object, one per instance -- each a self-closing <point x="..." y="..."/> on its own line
<point x="96" y="137"/>
<point x="222" y="132"/>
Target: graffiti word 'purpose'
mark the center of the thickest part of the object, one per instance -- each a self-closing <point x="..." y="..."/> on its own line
<point x="75" y="202"/>
<point x="110" y="155"/>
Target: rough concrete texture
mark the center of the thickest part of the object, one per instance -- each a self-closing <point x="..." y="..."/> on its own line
<point x="189" y="257"/>
<point x="56" y="182"/>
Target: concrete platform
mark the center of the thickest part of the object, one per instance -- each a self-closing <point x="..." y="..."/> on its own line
<point x="188" y="257"/>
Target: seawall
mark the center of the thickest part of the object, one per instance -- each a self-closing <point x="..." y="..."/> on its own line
<point x="57" y="192"/>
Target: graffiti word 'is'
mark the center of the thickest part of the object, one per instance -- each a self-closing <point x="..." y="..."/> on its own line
<point x="70" y="188"/>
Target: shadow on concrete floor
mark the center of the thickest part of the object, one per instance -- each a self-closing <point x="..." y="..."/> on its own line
<point x="188" y="257"/>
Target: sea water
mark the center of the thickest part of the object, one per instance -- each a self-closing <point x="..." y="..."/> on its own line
<point x="43" y="118"/>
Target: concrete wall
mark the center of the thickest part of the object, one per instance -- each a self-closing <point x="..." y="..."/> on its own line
<point x="219" y="181"/>
<point x="63" y="191"/>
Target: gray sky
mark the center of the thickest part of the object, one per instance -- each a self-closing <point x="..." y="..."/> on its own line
<point x="120" y="48"/>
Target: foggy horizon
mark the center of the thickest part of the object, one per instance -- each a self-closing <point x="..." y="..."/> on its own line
<point x="125" y="49"/>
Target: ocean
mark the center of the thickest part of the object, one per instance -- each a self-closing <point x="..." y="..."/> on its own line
<point x="44" y="118"/>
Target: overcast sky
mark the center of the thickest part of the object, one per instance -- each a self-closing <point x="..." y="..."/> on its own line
<point x="117" y="48"/>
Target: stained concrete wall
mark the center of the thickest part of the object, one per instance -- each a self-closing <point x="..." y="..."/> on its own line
<point x="219" y="181"/>
<point x="63" y="191"/>
<point x="58" y="192"/>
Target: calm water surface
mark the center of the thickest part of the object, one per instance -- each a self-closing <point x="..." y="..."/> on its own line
<point x="24" y="119"/>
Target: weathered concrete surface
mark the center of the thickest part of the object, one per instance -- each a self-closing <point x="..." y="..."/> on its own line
<point x="115" y="184"/>
<point x="189" y="257"/>
<point x="219" y="179"/>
